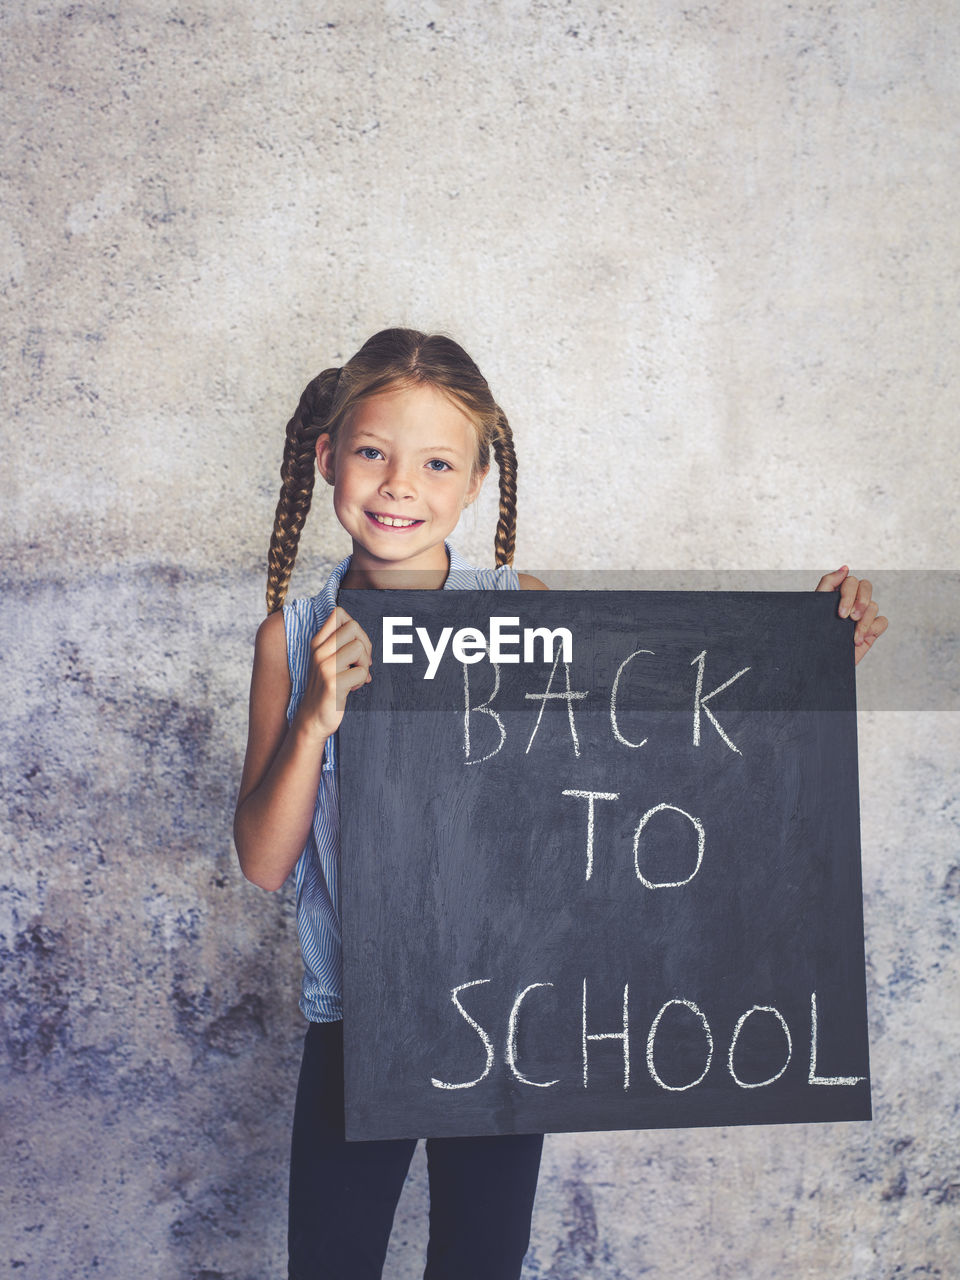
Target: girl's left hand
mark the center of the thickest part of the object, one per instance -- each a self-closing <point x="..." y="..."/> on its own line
<point x="856" y="602"/>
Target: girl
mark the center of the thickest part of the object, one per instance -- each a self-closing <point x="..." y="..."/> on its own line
<point x="403" y="433"/>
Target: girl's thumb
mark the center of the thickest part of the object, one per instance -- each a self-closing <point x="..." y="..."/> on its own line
<point x="830" y="581"/>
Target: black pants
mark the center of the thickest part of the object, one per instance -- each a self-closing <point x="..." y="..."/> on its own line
<point x="343" y="1194"/>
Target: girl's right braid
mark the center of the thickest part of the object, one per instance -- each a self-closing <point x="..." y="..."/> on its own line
<point x="503" y="451"/>
<point x="297" y="474"/>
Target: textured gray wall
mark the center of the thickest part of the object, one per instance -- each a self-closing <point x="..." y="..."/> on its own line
<point x="708" y="259"/>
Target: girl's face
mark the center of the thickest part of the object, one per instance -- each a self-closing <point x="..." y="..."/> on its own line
<point x="403" y="469"/>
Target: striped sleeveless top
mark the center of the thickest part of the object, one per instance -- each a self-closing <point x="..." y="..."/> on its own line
<point x="318" y="867"/>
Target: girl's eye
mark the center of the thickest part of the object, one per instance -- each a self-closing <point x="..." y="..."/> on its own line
<point x="369" y="452"/>
<point x="438" y="464"/>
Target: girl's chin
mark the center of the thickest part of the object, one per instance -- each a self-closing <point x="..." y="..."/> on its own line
<point x="391" y="548"/>
<point x="399" y="552"/>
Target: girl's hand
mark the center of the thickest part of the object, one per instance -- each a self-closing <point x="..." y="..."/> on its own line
<point x="340" y="656"/>
<point x="856" y="602"/>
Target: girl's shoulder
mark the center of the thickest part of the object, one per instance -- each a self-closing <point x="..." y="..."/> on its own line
<point x="529" y="583"/>
<point x="305" y="615"/>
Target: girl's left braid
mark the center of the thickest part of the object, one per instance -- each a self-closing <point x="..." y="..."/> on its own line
<point x="297" y="474"/>
<point x="503" y="451"/>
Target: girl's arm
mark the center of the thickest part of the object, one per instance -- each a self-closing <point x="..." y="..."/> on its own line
<point x="281" y="770"/>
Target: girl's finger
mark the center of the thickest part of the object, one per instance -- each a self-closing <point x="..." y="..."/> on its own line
<point x="865" y="622"/>
<point x="830" y="581"/>
<point x="350" y="680"/>
<point x="364" y="639"/>
<point x="350" y="629"/>
<point x="877" y="628"/>
<point x="350" y="641"/>
<point x="335" y="619"/>
<point x="864" y="595"/>
<point x="328" y="642"/>
<point x="368" y="651"/>
<point x="848" y="593"/>
<point x="352" y="654"/>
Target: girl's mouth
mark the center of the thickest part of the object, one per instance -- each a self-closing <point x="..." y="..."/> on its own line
<point x="383" y="521"/>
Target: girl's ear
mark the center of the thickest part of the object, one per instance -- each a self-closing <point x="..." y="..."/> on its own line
<point x="475" y="485"/>
<point x="325" y="457"/>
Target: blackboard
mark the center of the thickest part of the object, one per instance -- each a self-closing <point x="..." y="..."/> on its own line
<point x="621" y="891"/>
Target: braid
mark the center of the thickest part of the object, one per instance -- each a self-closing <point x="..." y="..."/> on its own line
<point x="503" y="451"/>
<point x="297" y="473"/>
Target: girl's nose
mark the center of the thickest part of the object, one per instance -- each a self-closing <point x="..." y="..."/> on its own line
<point x="398" y="483"/>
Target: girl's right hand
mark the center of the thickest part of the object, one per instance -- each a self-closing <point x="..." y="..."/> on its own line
<point x="340" y="657"/>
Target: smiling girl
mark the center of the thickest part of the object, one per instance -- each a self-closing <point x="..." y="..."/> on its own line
<point x="403" y="433"/>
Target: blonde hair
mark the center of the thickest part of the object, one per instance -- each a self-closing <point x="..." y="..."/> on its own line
<point x="391" y="358"/>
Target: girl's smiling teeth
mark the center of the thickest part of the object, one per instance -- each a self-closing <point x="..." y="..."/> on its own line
<point x="392" y="522"/>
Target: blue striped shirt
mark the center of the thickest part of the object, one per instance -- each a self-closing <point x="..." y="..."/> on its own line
<point x="318" y="867"/>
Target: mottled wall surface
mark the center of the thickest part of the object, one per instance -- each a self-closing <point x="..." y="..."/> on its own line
<point x="708" y="259"/>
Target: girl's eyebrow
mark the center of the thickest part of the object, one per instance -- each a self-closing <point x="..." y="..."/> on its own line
<point x="435" y="448"/>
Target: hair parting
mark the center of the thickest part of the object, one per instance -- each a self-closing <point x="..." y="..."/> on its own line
<point x="391" y="358"/>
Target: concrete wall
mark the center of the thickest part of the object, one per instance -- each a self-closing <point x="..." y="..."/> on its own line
<point x="707" y="258"/>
